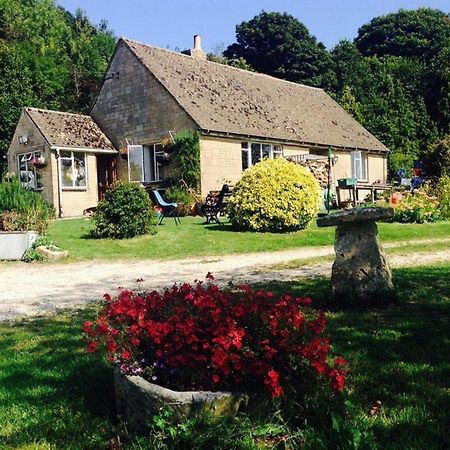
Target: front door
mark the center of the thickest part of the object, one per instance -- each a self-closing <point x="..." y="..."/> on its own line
<point x="106" y="173"/>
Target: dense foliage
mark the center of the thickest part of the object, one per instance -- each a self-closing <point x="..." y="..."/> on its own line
<point x="22" y="209"/>
<point x="394" y="77"/>
<point x="442" y="191"/>
<point x="49" y="58"/>
<point x="437" y="158"/>
<point x="274" y="195"/>
<point x="187" y="145"/>
<point x="182" y="197"/>
<point x="280" y="45"/>
<point x="125" y="212"/>
<point x="417" y="207"/>
<point x="199" y="337"/>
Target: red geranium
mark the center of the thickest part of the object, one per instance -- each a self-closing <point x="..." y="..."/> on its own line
<point x="204" y="338"/>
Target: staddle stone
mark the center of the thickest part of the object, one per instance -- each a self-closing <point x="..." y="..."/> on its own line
<point x="360" y="271"/>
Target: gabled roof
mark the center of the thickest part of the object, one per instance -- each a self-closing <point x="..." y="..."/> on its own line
<point x="62" y="129"/>
<point x="225" y="99"/>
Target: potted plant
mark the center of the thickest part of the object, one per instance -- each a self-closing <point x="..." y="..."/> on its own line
<point x="196" y="348"/>
<point x="39" y="162"/>
<point x="23" y="216"/>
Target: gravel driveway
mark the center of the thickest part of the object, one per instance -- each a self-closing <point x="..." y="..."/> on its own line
<point x="33" y="289"/>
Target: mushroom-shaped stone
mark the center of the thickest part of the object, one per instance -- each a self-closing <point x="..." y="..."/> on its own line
<point x="360" y="271"/>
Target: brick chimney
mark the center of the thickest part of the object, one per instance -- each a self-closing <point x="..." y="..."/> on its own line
<point x="197" y="51"/>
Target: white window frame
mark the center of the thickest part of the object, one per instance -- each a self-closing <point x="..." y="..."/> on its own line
<point x="30" y="169"/>
<point x="74" y="175"/>
<point x="275" y="151"/>
<point x="144" y="155"/>
<point x="359" y="165"/>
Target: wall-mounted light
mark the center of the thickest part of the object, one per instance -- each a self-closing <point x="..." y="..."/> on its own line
<point x="23" y="140"/>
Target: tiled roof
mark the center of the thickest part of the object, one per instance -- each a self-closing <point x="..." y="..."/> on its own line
<point x="225" y="99"/>
<point x="69" y="130"/>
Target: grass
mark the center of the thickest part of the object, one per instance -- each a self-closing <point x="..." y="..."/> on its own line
<point x="192" y="238"/>
<point x="394" y="249"/>
<point x="54" y="396"/>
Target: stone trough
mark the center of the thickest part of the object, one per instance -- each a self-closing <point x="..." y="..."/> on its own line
<point x="360" y="273"/>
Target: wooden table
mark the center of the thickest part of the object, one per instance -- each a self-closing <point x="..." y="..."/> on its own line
<point x="356" y="188"/>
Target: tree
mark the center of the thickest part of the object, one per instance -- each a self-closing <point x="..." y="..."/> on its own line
<point x="417" y="33"/>
<point x="279" y="45"/>
<point x="49" y="58"/>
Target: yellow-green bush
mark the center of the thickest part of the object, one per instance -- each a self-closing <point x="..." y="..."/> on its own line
<point x="274" y="195"/>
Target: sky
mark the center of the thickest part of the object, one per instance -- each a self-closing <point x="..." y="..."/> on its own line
<point x="173" y="23"/>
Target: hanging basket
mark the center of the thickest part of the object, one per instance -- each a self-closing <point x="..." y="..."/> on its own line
<point x="164" y="158"/>
<point x="39" y="162"/>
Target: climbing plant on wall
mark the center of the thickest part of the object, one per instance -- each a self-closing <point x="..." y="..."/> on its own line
<point x="187" y="146"/>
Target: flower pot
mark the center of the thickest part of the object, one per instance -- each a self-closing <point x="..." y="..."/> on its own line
<point x="347" y="182"/>
<point x="137" y="400"/>
<point x="13" y="244"/>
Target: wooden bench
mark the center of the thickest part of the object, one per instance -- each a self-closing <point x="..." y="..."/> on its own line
<point x="216" y="204"/>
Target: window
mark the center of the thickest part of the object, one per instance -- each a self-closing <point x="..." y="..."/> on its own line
<point x="73" y="170"/>
<point x="142" y="163"/>
<point x="253" y="152"/>
<point x="359" y="165"/>
<point x="30" y="177"/>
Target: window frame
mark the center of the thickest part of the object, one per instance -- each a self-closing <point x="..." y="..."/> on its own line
<point x="248" y="148"/>
<point x="35" y="184"/>
<point x="360" y="166"/>
<point x="71" y="158"/>
<point x="149" y="165"/>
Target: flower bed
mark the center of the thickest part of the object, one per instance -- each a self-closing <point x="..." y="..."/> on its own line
<point x="202" y="338"/>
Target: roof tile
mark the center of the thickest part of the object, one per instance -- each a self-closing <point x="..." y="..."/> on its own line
<point x="225" y="99"/>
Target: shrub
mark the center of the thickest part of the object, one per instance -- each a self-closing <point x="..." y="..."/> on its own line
<point x="32" y="255"/>
<point x="22" y="209"/>
<point x="125" y="212"/>
<point x="199" y="337"/>
<point x="180" y="195"/>
<point x="274" y="195"/>
<point x="443" y="194"/>
<point x="417" y="207"/>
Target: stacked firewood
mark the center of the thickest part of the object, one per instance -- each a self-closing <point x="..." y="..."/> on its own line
<point x="319" y="168"/>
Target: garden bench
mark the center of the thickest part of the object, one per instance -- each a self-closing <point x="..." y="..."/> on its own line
<point x="216" y="203"/>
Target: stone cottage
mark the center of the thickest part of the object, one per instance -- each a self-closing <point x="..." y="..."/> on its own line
<point x="148" y="94"/>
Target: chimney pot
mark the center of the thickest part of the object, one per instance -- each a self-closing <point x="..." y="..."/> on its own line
<point x="197" y="42"/>
<point x="197" y="51"/>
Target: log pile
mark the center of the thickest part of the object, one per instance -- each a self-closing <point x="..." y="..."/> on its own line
<point x="319" y="168"/>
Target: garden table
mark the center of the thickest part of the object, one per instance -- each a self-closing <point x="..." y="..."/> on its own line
<point x="360" y="271"/>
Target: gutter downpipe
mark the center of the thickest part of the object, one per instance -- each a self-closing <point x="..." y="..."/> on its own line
<point x="57" y="155"/>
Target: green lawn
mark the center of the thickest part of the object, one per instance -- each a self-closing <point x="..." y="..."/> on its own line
<point x="54" y="396"/>
<point x="192" y="238"/>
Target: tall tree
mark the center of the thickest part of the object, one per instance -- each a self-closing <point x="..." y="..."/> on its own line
<point x="48" y="58"/>
<point x="417" y="33"/>
<point x="279" y="45"/>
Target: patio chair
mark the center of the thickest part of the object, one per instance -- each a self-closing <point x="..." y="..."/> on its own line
<point x="215" y="204"/>
<point x="167" y="209"/>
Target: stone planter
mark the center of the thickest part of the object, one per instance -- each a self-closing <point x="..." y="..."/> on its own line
<point x="137" y="401"/>
<point x="13" y="244"/>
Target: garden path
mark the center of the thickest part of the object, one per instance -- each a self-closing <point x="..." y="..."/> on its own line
<point x="35" y="289"/>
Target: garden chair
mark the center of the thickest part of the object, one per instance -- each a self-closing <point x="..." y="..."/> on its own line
<point x="167" y="209"/>
<point x="215" y="204"/>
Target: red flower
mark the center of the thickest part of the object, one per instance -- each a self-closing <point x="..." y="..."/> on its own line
<point x="203" y="337"/>
<point x="125" y="355"/>
<point x="91" y="347"/>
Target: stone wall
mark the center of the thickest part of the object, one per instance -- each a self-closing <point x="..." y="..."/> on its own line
<point x="135" y="106"/>
<point x="36" y="142"/>
<point x="220" y="163"/>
